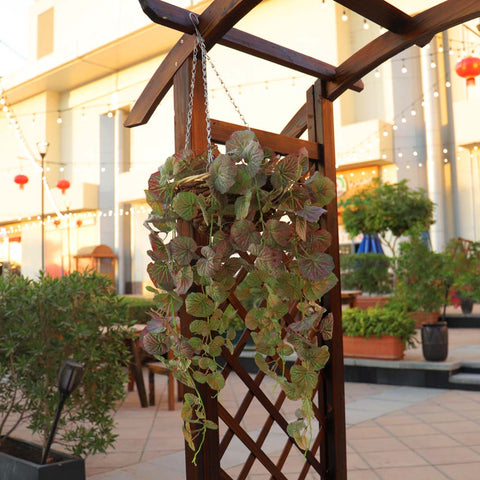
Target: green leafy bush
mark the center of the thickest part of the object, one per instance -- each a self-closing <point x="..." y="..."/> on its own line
<point x="44" y="322"/>
<point x="375" y="322"/>
<point x="368" y="272"/>
<point x="421" y="284"/>
<point x="138" y="308"/>
<point x="462" y="268"/>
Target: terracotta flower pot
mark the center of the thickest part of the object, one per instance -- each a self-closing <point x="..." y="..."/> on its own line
<point x="387" y="347"/>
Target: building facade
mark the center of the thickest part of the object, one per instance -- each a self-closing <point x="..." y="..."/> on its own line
<point x="86" y="67"/>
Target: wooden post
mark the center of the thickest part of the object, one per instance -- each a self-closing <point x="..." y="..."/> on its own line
<point x="320" y="129"/>
<point x="208" y="463"/>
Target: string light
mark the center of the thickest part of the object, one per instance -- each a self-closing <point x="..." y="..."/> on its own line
<point x="344" y="16"/>
<point x="404" y="68"/>
<point x="59" y="118"/>
<point x="366" y="26"/>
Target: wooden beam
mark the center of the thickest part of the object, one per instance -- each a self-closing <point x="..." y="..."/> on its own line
<point x="381" y="13"/>
<point x="428" y="23"/>
<point x="214" y="22"/>
<point x="281" y="144"/>
<point x="178" y="18"/>
<point x="297" y="124"/>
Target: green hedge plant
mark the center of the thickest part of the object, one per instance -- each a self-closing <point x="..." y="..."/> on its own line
<point x="369" y="272"/>
<point x="375" y="322"/>
<point x="46" y="321"/>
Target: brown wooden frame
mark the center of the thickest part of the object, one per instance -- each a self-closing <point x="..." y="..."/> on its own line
<point x="327" y="455"/>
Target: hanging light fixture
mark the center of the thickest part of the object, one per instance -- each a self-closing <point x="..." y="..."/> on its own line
<point x="63" y="185"/>
<point x="21" y="180"/>
<point x="469" y="68"/>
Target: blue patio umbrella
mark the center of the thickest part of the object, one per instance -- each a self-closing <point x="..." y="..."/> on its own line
<point x="370" y="244"/>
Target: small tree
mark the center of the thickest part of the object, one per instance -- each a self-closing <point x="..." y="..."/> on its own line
<point x="388" y="210"/>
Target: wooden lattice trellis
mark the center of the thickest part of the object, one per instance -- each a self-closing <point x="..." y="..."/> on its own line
<point x="327" y="455"/>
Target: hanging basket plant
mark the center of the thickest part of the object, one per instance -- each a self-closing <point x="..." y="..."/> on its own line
<point x="256" y="217"/>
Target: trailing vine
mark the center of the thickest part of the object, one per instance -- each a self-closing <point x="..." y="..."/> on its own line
<point x="259" y="240"/>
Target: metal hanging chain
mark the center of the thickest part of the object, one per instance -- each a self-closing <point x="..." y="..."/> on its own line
<point x="199" y="42"/>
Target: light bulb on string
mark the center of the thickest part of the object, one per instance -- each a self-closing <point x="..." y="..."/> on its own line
<point x="403" y="120"/>
<point x="413" y="112"/>
<point x="34" y="119"/>
<point x="404" y="68"/>
<point x="395" y="126"/>
<point x="59" y="118"/>
<point x="366" y="26"/>
<point x="448" y="84"/>
<point x="436" y="94"/>
<point x="433" y="64"/>
<point x="377" y="73"/>
<point x="344" y="16"/>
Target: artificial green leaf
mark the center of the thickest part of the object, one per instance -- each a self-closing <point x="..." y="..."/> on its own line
<point x="261" y="363"/>
<point x="161" y="276"/>
<point x="277" y="232"/>
<point x="295" y="199"/>
<point x="317" y="357"/>
<point x="160" y="249"/>
<point x="196" y="343"/>
<point x="217" y="292"/>
<point x="200" y="327"/>
<point x="318" y="241"/>
<point x="211" y="425"/>
<point x="243" y="182"/>
<point x="321" y="189"/>
<point x="215" y="381"/>
<point x="326" y="327"/>
<point x="285" y="350"/>
<point x="315" y="266"/>
<point x="253" y="155"/>
<point x="199" y="377"/>
<point x="301" y="228"/>
<point x="276" y="307"/>
<point x="268" y="259"/>
<point x="236" y="145"/>
<point x="224" y="173"/>
<point x="242" y="205"/>
<point x="183" y="280"/>
<point x="287" y="171"/>
<point x="199" y="305"/>
<point x="254" y="317"/>
<point x="243" y="233"/>
<point x="207" y="264"/>
<point x="185" y="205"/>
<point x="183" y="250"/>
<point x="311" y="213"/>
<point x="315" y="290"/>
<point x="305" y="379"/>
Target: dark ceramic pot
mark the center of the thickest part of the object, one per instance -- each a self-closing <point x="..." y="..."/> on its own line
<point x="435" y="341"/>
<point x="466" y="305"/>
<point x="13" y="467"/>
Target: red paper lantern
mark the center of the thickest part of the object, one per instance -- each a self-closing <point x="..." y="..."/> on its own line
<point x="63" y="185"/>
<point x="469" y="68"/>
<point x="21" y="180"/>
<point x="57" y="222"/>
<point x="79" y="223"/>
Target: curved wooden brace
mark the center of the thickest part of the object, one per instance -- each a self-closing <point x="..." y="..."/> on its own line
<point x="214" y="22"/>
<point x="428" y="23"/>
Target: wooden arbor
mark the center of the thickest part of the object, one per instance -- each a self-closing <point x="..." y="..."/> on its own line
<point x="327" y="454"/>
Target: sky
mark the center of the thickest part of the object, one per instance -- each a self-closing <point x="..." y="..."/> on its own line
<point x="13" y="34"/>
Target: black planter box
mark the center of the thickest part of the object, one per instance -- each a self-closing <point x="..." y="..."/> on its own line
<point x="65" y="467"/>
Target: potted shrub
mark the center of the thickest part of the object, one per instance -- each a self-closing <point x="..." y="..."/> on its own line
<point x="256" y="218"/>
<point x="382" y="333"/>
<point x="420" y="285"/>
<point x="42" y="323"/>
<point x="462" y="269"/>
<point x="370" y="273"/>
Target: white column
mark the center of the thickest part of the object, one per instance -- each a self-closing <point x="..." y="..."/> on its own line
<point x="118" y="155"/>
<point x="435" y="173"/>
